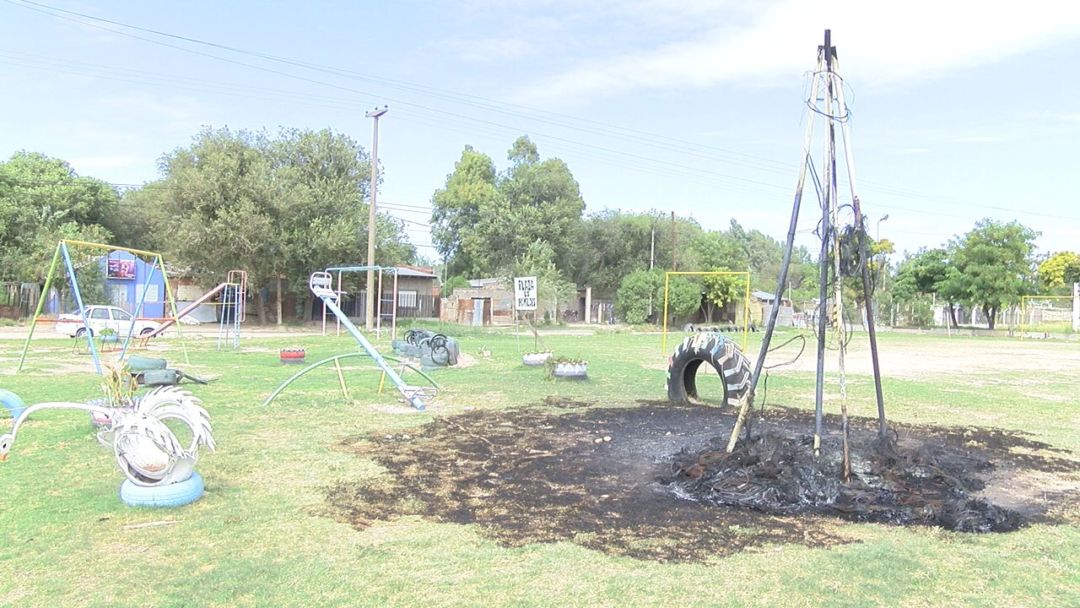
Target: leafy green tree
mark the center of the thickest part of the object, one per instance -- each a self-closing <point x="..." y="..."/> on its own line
<point x="684" y="298"/>
<point x="994" y="265"/>
<point x="452" y="283"/>
<point x="720" y="290"/>
<point x="277" y="208"/>
<point x="1060" y="270"/>
<point x="42" y="200"/>
<point x="456" y="208"/>
<point x="482" y="219"/>
<point x="636" y="299"/>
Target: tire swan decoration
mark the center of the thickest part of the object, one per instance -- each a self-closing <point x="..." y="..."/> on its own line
<point x="159" y="467"/>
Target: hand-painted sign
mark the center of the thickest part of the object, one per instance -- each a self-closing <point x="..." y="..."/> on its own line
<point x="525" y="293"/>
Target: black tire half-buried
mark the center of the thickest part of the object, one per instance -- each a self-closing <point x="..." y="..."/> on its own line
<point x="719" y="352"/>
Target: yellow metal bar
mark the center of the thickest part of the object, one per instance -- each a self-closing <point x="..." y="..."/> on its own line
<point x="663" y="341"/>
<point x="112" y="248"/>
<point x="172" y="303"/>
<point x="341" y="379"/>
<point x="746" y="313"/>
<point x="40" y="305"/>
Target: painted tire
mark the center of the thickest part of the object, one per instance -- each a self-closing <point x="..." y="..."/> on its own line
<point x="172" y="495"/>
<point x="12" y="403"/>
<point x="292" y="355"/>
<point x="722" y="354"/>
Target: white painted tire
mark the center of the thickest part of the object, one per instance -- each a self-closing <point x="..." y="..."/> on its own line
<point x="171" y="495"/>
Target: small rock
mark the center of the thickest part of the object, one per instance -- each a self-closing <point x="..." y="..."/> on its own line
<point x="598" y="440"/>
<point x="607" y="438"/>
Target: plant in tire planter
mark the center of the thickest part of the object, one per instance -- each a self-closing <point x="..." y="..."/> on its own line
<point x="537" y="358"/>
<point x="565" y="367"/>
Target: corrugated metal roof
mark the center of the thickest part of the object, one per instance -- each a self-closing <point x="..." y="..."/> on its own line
<point x="412" y="272"/>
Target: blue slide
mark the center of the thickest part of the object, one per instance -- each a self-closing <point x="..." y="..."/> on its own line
<point x="321" y="284"/>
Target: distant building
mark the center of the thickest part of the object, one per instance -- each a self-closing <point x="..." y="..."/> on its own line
<point x="483" y="302"/>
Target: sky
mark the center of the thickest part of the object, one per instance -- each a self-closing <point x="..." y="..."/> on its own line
<point x="959" y="110"/>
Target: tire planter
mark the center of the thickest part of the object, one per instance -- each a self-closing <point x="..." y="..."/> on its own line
<point x="172" y="495"/>
<point x="12" y="403"/>
<point x="722" y="354"/>
<point x="533" y="359"/>
<point x="292" y="355"/>
<point x="576" y="371"/>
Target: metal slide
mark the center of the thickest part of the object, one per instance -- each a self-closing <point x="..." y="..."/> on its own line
<point x="322" y="285"/>
<point x="190" y="307"/>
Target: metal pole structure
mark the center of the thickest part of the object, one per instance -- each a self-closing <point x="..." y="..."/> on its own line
<point x="864" y="252"/>
<point x="663" y="340"/>
<point x="78" y="302"/>
<point x="138" y="309"/>
<point x="40" y="306"/>
<point x="171" y="299"/>
<point x="823" y="299"/>
<point x="339" y="294"/>
<point x="838" y="285"/>
<point x="674" y="244"/>
<point x="370" y="304"/>
<point x="781" y="284"/>
<point x="393" y="319"/>
<point x="378" y="307"/>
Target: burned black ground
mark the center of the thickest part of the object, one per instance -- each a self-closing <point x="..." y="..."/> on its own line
<point x="602" y="477"/>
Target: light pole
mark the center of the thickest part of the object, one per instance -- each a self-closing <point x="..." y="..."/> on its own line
<point x="369" y="322"/>
<point x="877" y="235"/>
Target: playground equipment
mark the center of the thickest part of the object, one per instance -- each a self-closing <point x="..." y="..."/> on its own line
<point x="1047" y="314"/>
<point x="717" y="273"/>
<point x="147" y="450"/>
<point x="233" y="309"/>
<point x="321" y="284"/>
<point x="63" y="253"/>
<point x="718" y="351"/>
<point x="379" y="315"/>
<point x="433" y="349"/>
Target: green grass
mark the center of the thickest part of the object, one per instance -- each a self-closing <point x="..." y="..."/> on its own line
<point x="257" y="539"/>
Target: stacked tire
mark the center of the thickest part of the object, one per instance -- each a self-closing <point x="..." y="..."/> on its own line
<point x="718" y="351"/>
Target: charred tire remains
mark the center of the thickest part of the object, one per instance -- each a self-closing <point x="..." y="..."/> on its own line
<point x="718" y="351"/>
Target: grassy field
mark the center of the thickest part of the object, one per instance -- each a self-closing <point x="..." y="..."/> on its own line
<point x="260" y="536"/>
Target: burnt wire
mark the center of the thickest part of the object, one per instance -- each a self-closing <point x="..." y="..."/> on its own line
<point x="766" y="368"/>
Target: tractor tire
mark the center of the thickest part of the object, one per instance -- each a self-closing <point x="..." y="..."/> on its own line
<point x="722" y="354"/>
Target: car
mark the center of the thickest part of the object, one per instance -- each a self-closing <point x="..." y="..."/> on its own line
<point x="104" y="317"/>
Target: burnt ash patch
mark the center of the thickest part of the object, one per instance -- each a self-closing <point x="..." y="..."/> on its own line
<point x="616" y="479"/>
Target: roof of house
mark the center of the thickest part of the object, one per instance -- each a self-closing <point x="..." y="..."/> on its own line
<point x="763" y="295"/>
<point x="405" y="271"/>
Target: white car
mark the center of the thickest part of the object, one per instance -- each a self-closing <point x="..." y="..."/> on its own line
<point x="104" y="317"/>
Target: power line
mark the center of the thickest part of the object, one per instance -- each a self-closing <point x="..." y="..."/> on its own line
<point x="653" y="139"/>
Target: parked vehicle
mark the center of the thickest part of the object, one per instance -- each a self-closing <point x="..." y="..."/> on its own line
<point x="101" y="318"/>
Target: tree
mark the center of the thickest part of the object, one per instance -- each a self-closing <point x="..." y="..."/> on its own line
<point x="994" y="265"/>
<point x="278" y="209"/>
<point x="456" y="208"/>
<point x="720" y="290"/>
<point x="1060" y="270"/>
<point x="684" y="298"/>
<point x="636" y="299"/>
<point x="483" y="219"/>
<point x="42" y="200"/>
<point x="925" y="273"/>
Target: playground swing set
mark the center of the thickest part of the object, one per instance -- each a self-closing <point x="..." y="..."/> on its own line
<point x="233" y="296"/>
<point x="63" y="254"/>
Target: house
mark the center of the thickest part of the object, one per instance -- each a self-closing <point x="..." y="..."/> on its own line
<point x="418" y="291"/>
<point x="761" y="303"/>
<point x="126" y="284"/>
<point x="483" y="302"/>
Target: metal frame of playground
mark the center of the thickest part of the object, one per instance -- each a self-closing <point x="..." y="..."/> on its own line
<point x="234" y="287"/>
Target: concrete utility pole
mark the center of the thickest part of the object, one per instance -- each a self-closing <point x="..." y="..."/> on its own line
<point x="369" y="322"/>
<point x="674" y="244"/>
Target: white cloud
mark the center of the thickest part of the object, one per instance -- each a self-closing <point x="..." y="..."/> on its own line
<point x="978" y="139"/>
<point x="92" y="165"/>
<point x="879" y="43"/>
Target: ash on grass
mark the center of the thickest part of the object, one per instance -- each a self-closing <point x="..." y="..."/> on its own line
<point x="618" y="479"/>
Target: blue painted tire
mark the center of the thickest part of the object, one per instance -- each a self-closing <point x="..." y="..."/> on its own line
<point x="173" y="495"/>
<point x="12" y="403"/>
